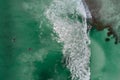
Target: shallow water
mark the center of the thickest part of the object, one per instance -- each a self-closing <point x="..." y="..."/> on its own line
<point x="48" y="40"/>
<point x="104" y="58"/>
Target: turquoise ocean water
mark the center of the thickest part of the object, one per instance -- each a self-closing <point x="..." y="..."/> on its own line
<point x="48" y="40"/>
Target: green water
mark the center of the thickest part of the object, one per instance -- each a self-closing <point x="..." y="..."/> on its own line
<point x="28" y="52"/>
<point x="105" y="57"/>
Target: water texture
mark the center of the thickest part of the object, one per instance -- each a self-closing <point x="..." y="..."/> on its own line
<point x="52" y="40"/>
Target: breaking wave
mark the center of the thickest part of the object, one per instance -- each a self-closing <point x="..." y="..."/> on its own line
<point x="69" y="22"/>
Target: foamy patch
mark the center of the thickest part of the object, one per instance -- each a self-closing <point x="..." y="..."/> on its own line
<point x="73" y="34"/>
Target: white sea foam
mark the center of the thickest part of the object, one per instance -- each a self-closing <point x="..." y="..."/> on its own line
<point x="73" y="34"/>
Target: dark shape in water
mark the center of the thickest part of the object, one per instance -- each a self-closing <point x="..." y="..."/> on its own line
<point x="14" y="40"/>
<point x="30" y="49"/>
<point x="107" y="39"/>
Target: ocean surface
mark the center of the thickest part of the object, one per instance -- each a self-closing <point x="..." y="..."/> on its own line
<point x="50" y="40"/>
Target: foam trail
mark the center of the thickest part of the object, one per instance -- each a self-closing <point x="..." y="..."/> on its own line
<point x="73" y="34"/>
